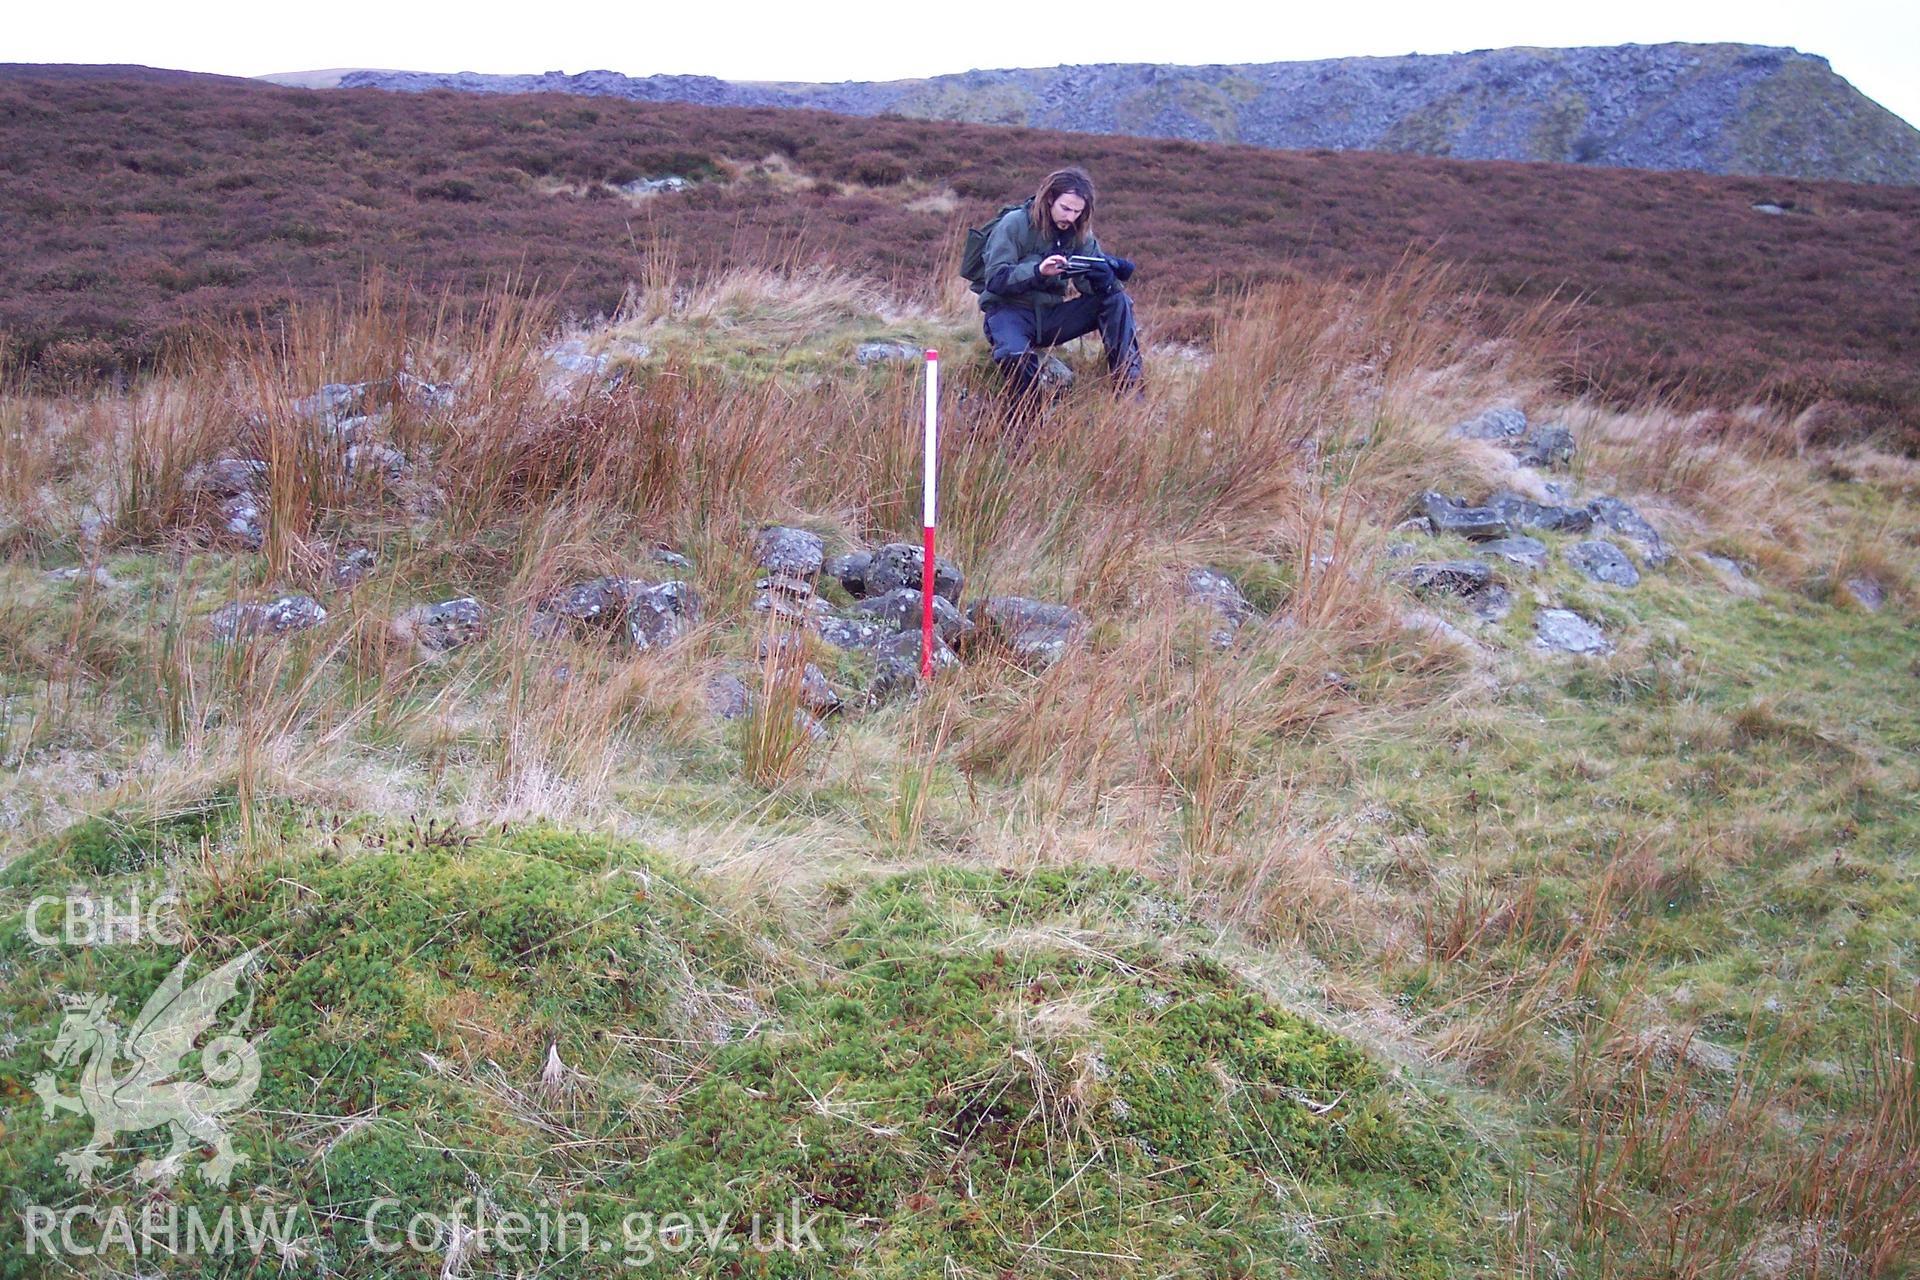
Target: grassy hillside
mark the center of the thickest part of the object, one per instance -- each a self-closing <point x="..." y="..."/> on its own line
<point x="1345" y="933"/>
<point x="139" y="209"/>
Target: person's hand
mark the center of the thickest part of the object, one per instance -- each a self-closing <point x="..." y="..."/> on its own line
<point x="1054" y="265"/>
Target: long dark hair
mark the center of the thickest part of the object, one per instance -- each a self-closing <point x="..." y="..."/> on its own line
<point x="1071" y="180"/>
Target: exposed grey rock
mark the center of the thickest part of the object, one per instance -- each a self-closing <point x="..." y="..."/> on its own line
<point x="1771" y="210"/>
<point x="898" y="564"/>
<point x="1528" y="553"/>
<point x="353" y="565"/>
<point x="806" y="610"/>
<point x="376" y="459"/>
<point x="1492" y="424"/>
<point x="790" y="585"/>
<point x="900" y="610"/>
<point x="1724" y="564"/>
<point x="422" y="394"/>
<point x="1866" y="591"/>
<point x="1221" y="594"/>
<point x="599" y="602"/>
<point x="1492" y="604"/>
<point x="896" y="665"/>
<point x="229" y="477"/>
<point x="726" y="696"/>
<point x="1603" y="562"/>
<point x="271" y="617"/>
<point x="1450" y="515"/>
<point x="1401" y="550"/>
<point x="780" y="549"/>
<point x="572" y="360"/>
<point x="1032" y="629"/>
<point x="438" y="628"/>
<point x="1432" y="623"/>
<point x="658" y="615"/>
<point x="359" y="430"/>
<point x="1054" y="373"/>
<point x="671" y="558"/>
<point x="655" y="186"/>
<point x="1523" y="513"/>
<point x="1414" y="524"/>
<point x="1547" y="446"/>
<point x="858" y="634"/>
<point x="335" y="402"/>
<point x="1624" y="520"/>
<point x="850" y="571"/>
<point x="97" y="575"/>
<point x="242" y="518"/>
<point x="788" y="651"/>
<point x="1447" y="577"/>
<point x="1568" y="632"/>
<point x="887" y="352"/>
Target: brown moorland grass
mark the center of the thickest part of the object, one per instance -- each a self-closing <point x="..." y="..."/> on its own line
<point x="138" y="205"/>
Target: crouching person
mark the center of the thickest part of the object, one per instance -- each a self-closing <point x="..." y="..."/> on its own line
<point x="1033" y="253"/>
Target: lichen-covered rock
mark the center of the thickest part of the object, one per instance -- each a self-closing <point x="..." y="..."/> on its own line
<point x="896" y="664"/>
<point x="242" y="519"/>
<point x="1625" y="521"/>
<point x="900" y="610"/>
<point x="898" y="564"/>
<point x="1451" y="515"/>
<point x="856" y="634"/>
<point x="1524" y="513"/>
<point x="1567" y="632"/>
<point x="887" y="352"/>
<point x="228" y="477"/>
<point x="335" y="402"/>
<point x="1528" y="553"/>
<point x="379" y="460"/>
<point x="269" y="617"/>
<point x="726" y="696"/>
<point x="353" y="565"/>
<point x="1547" y="446"/>
<point x="1033" y="630"/>
<point x="598" y="602"/>
<point x="439" y="628"/>
<point x="1601" y="561"/>
<point x="1865" y="591"/>
<point x="780" y="549"/>
<point x="850" y="571"/>
<point x="1493" y="424"/>
<point x="1447" y="577"/>
<point x="659" y="614"/>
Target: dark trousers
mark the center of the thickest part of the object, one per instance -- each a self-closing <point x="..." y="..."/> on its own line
<point x="1017" y="332"/>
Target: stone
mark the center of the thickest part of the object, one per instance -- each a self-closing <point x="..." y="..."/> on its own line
<point x="271" y="617"/>
<point x="1625" y="521"/>
<point x="898" y="564"/>
<point x="439" y="628"/>
<point x="335" y="402"/>
<point x="790" y="585"/>
<point x="850" y="571"/>
<point x="1528" y="553"/>
<point x="1220" y="593"/>
<point x="1548" y="446"/>
<point x="671" y="558"/>
<point x="887" y="352"/>
<point x="1415" y="524"/>
<point x="1450" y="515"/>
<point x="1493" y="424"/>
<point x="726" y="697"/>
<point x="1524" y="513"/>
<point x="422" y="394"/>
<point x="856" y="634"/>
<point x="571" y="360"/>
<point x="900" y="610"/>
<point x="1401" y="550"/>
<point x="242" y="519"/>
<point x="352" y="566"/>
<point x="97" y="575"/>
<point x="896" y="665"/>
<point x="1033" y="630"/>
<point x="1447" y="577"/>
<point x="1492" y="604"/>
<point x="654" y="186"/>
<point x="659" y="614"/>
<point x="1866" y="592"/>
<point x="360" y="430"/>
<point x="229" y="477"/>
<point x="1771" y="210"/>
<point x="1054" y="374"/>
<point x="1724" y="564"/>
<point x="599" y="602"/>
<point x="376" y="459"/>
<point x="806" y="610"/>
<point x="783" y="550"/>
<point x="1567" y="632"/>
<point x="1601" y="561"/>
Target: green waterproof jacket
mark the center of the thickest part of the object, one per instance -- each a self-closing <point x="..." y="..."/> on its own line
<point x="1014" y="254"/>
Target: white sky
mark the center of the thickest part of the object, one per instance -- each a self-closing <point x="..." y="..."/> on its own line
<point x="1874" y="43"/>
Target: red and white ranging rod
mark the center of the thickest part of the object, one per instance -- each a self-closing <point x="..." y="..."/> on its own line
<point x="927" y="515"/>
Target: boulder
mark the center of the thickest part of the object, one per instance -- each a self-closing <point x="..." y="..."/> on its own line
<point x="1493" y="424"/>
<point x="659" y="614"/>
<point x="269" y="617"/>
<point x="438" y="628"/>
<point x="900" y="610"/>
<point x="1865" y="591"/>
<point x="726" y="697"/>
<point x="421" y="394"/>
<point x="336" y="402"/>
<point x="860" y="635"/>
<point x="887" y="352"/>
<point x="850" y="571"/>
<point x="1414" y="524"/>
<point x="898" y="564"/>
<point x="1528" y="553"/>
<point x="242" y="519"/>
<point x="1450" y="515"/>
<point x="1523" y="513"/>
<point x="1547" y="446"/>
<point x="1054" y="374"/>
<point x="353" y="565"/>
<point x="1447" y="577"/>
<point x="376" y="459"/>
<point x="598" y="602"/>
<point x="1625" y="521"/>
<point x="896" y="665"/>
<point x="1567" y="632"/>
<point x="1032" y="630"/>
<point x="1601" y="561"/>
<point x="805" y="609"/>
<point x="794" y="552"/>
<point x="1221" y="594"/>
<point x="228" y="477"/>
<point x="1492" y="604"/>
